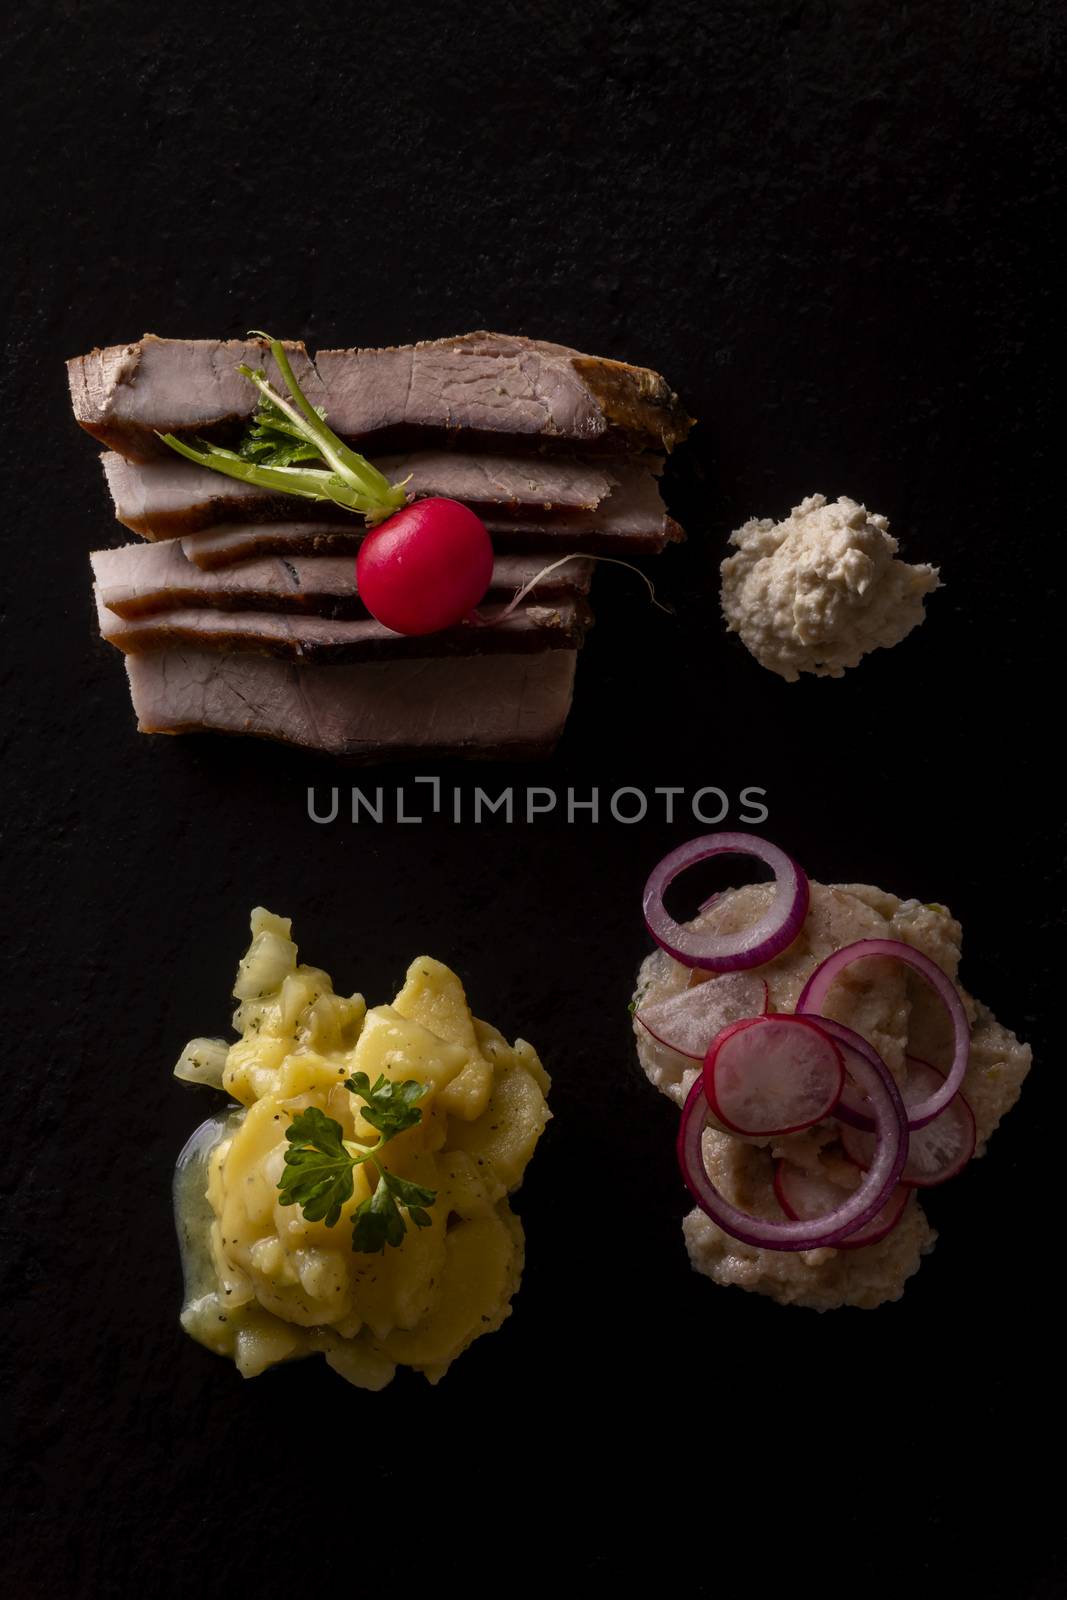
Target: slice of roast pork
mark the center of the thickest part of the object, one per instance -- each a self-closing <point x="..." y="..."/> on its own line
<point x="490" y="386"/>
<point x="162" y="498"/>
<point x="631" y="520"/>
<point x="139" y="580"/>
<point x="616" y="507"/>
<point x="498" y="384"/>
<point x="128" y="393"/>
<point x="474" y="706"/>
<point x="299" y="637"/>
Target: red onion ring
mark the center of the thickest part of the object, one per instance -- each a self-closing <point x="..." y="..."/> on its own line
<point x="813" y="998"/>
<point x="858" y="1208"/>
<point x="731" y="952"/>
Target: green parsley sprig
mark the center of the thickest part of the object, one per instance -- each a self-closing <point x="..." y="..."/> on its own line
<point x="320" y="1161"/>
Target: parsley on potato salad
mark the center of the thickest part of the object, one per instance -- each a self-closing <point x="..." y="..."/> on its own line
<point x="355" y="1201"/>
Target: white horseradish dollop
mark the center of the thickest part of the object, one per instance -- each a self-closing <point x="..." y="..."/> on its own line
<point x="817" y="591"/>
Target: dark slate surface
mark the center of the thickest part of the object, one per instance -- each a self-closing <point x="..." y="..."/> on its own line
<point x="829" y="224"/>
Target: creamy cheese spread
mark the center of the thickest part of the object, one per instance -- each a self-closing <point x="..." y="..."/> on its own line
<point x="819" y="590"/>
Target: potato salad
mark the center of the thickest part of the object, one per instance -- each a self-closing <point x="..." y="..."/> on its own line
<point x="355" y="1201"/>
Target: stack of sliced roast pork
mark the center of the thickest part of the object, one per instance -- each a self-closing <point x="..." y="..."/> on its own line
<point x="241" y="614"/>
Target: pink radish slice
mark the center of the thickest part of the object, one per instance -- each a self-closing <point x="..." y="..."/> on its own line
<point x="854" y="1211"/>
<point x="728" y="952"/>
<point x="805" y="1196"/>
<point x="812" y="1003"/>
<point x="859" y="1057"/>
<point x="938" y="1150"/>
<point x="696" y="977"/>
<point x="689" y="1022"/>
<point x="773" y="1074"/>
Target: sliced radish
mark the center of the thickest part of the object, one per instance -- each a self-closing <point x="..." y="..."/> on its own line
<point x="936" y="1151"/>
<point x="805" y="1196"/>
<point x="773" y="1074"/>
<point x="689" y="1022"/>
<point x="852" y="1108"/>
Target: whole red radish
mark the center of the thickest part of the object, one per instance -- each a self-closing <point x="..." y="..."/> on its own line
<point x="426" y="567"/>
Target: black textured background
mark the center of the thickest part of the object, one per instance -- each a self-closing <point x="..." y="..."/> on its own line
<point x="831" y="225"/>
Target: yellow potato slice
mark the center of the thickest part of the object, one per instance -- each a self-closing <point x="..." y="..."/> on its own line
<point x="480" y="1267"/>
<point x="433" y="996"/>
<point x="390" y="1046"/>
<point x="360" y="1364"/>
<point x="502" y="1141"/>
<point x="468" y="1094"/>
